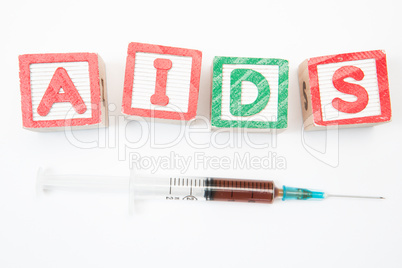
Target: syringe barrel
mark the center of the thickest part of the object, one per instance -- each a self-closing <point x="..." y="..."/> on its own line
<point x="201" y="189"/>
<point x="167" y="188"/>
<point x="256" y="191"/>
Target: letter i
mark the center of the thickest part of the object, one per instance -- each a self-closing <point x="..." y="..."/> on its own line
<point x="162" y="66"/>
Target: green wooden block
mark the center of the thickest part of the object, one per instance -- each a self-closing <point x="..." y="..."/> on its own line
<point x="249" y="93"/>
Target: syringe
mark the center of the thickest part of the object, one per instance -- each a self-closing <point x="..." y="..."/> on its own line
<point x="184" y="188"/>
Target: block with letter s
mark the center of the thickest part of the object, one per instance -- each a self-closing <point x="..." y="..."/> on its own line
<point x="345" y="90"/>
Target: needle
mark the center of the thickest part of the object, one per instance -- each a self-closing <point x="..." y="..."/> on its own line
<point x="355" y="196"/>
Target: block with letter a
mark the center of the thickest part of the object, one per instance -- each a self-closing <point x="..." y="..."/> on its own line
<point x="63" y="90"/>
<point x="161" y="82"/>
<point x="249" y="93"/>
<point x="345" y="90"/>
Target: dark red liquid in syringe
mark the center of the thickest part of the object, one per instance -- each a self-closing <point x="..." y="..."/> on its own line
<point x="240" y="190"/>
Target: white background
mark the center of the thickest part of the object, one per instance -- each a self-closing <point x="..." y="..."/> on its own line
<point x="64" y="229"/>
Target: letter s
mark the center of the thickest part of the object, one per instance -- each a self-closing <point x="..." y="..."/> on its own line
<point x="349" y="88"/>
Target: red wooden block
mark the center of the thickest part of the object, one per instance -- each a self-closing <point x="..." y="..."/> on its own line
<point x="161" y="82"/>
<point x="60" y="90"/>
<point x="345" y="90"/>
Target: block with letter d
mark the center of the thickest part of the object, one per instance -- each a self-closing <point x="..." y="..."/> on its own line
<point x="249" y="93"/>
<point x="63" y="90"/>
<point x="345" y="90"/>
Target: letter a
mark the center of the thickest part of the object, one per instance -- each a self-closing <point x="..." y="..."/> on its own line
<point x="61" y="79"/>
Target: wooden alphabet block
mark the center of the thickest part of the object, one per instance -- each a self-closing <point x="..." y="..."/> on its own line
<point x="345" y="90"/>
<point x="62" y="90"/>
<point x="161" y="82"/>
<point x="249" y="93"/>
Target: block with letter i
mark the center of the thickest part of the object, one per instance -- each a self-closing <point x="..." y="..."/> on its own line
<point x="345" y="90"/>
<point x="63" y="90"/>
<point x="249" y="93"/>
<point x="161" y="82"/>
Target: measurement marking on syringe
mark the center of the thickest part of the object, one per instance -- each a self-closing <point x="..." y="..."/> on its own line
<point x="231" y="194"/>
